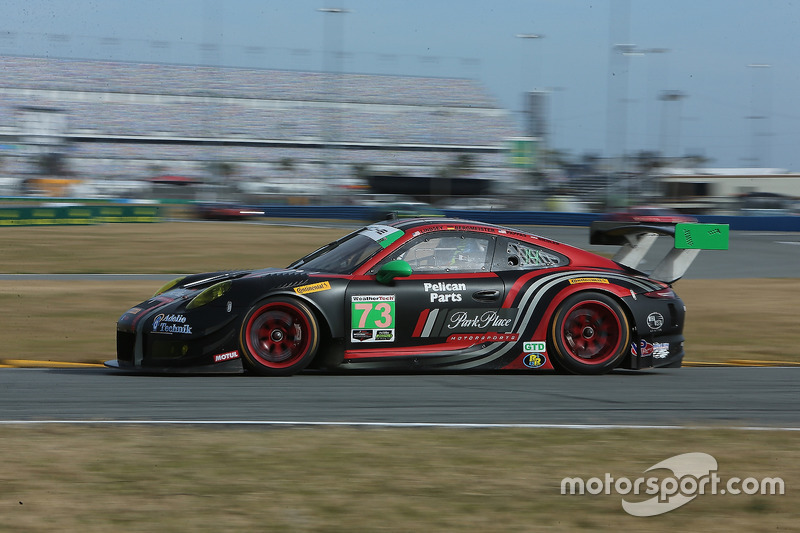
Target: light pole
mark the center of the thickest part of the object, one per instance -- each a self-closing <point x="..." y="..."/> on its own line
<point x="671" y="99"/>
<point x="652" y="89"/>
<point x="533" y="126"/>
<point x="759" y="114"/>
<point x="332" y="65"/>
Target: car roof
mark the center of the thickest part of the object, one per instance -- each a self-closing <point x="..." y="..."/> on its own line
<point x="459" y="224"/>
<point x="446" y="223"/>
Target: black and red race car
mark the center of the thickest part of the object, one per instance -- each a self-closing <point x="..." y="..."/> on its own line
<point x="421" y="294"/>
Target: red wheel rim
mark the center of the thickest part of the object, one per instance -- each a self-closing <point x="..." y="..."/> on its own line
<point x="591" y="333"/>
<point x="277" y="335"/>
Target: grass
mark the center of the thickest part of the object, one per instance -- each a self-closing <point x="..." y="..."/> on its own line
<point x="154" y="248"/>
<point x="144" y="478"/>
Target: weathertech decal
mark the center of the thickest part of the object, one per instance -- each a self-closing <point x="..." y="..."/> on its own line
<point x="372" y="318"/>
<point x="315" y="287"/>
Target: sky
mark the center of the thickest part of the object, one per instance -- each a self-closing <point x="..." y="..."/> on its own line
<point x="732" y="65"/>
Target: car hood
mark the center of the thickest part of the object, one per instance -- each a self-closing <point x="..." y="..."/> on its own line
<point x="278" y="275"/>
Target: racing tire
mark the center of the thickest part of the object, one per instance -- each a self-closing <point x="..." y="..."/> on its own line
<point x="279" y="337"/>
<point x="589" y="334"/>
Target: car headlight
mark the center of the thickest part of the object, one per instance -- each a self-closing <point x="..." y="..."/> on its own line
<point x="209" y="295"/>
<point x="169" y="285"/>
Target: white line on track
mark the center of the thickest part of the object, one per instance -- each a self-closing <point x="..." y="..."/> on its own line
<point x="299" y="423"/>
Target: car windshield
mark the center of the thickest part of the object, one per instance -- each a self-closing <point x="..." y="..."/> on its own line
<point x="347" y="254"/>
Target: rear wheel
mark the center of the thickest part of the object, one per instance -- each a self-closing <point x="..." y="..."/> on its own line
<point x="279" y="337"/>
<point x="590" y="333"/>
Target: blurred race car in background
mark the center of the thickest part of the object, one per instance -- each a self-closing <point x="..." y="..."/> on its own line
<point x="226" y="211"/>
<point x="649" y="215"/>
<point x="425" y="294"/>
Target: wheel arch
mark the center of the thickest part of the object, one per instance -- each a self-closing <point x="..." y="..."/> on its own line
<point x="596" y="289"/>
<point x="601" y="288"/>
<point x="327" y="354"/>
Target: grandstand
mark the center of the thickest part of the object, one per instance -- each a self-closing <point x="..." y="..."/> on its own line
<point x="131" y="120"/>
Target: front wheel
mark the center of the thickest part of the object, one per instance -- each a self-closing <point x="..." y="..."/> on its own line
<point x="279" y="337"/>
<point x="590" y="333"/>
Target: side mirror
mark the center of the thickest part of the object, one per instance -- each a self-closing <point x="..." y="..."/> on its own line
<point x="391" y="270"/>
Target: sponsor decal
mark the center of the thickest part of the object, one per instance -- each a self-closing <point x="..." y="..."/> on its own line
<point x="444" y="323"/>
<point x="660" y="350"/>
<point x="655" y="320"/>
<point x="484" y="337"/>
<point x="444" y="292"/>
<point x="361" y="335"/>
<point x="383" y="235"/>
<point x="534" y="346"/>
<point x="480" y="320"/>
<point x="314" y="287"/>
<point x="219" y="358"/>
<point x="134" y="311"/>
<point x="645" y="349"/>
<point x="534" y="360"/>
<point x="574" y="281"/>
<point x="384" y="335"/>
<point x="372" y="317"/>
<point x="164" y="323"/>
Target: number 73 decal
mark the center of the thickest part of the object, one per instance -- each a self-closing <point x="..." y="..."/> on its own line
<point x="372" y="312"/>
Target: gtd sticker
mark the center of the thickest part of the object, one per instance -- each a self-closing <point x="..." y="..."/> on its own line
<point x="534" y="360"/>
<point x="534" y="346"/>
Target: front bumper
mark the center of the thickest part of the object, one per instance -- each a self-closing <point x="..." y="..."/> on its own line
<point x="160" y="335"/>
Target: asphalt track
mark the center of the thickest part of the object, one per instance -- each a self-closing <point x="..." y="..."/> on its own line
<point x="686" y="397"/>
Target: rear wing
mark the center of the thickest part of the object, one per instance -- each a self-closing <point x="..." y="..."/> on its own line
<point x="636" y="240"/>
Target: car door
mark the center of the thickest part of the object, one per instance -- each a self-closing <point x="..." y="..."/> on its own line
<point x="451" y="300"/>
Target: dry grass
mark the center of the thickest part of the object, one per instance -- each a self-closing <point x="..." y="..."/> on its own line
<point x="155" y="248"/>
<point x="741" y="319"/>
<point x="136" y="478"/>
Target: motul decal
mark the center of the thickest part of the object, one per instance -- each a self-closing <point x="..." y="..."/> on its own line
<point x="219" y="358"/>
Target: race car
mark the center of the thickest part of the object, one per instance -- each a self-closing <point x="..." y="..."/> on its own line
<point x="424" y="294"/>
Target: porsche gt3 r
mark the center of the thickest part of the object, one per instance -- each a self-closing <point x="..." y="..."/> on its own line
<point x="421" y="294"/>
